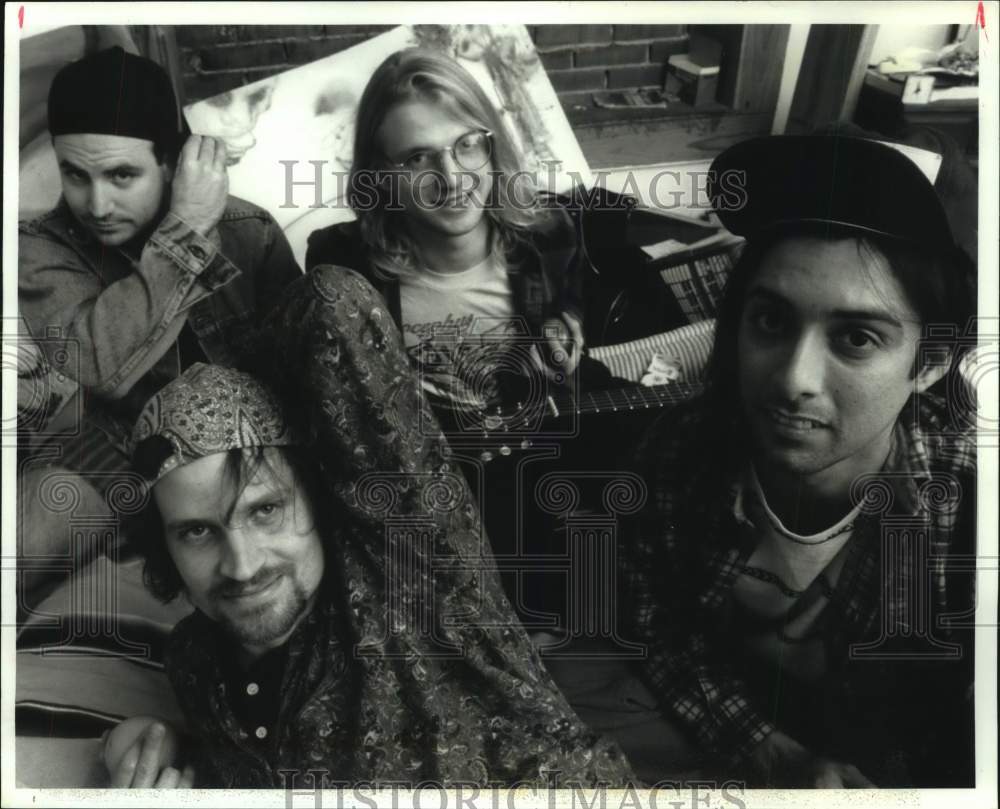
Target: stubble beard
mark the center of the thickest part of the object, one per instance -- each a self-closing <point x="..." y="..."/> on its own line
<point x="268" y="622"/>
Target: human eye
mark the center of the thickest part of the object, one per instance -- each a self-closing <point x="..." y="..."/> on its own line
<point x="418" y="161"/>
<point x="268" y="512"/>
<point x="123" y="176"/>
<point x="74" y="175"/>
<point x="768" y="321"/>
<point x="857" y="341"/>
<point x="194" y="534"/>
<point x="469" y="142"/>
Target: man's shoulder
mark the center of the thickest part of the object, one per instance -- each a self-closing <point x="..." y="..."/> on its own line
<point x="238" y="209"/>
<point x="339" y="244"/>
<point x="53" y="223"/>
<point x="690" y="463"/>
<point x="555" y="226"/>
<point x="941" y="434"/>
<point x="675" y="436"/>
<point x="346" y="233"/>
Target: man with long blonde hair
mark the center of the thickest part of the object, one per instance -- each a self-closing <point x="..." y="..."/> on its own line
<point x="451" y="231"/>
<point x="481" y="272"/>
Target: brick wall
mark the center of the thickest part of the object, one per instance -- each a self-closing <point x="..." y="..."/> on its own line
<point x="584" y="59"/>
<point x="580" y="59"/>
<point x="216" y="58"/>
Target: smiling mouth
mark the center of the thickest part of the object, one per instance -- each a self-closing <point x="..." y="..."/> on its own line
<point x="458" y="201"/>
<point x="256" y="592"/>
<point x="795" y="423"/>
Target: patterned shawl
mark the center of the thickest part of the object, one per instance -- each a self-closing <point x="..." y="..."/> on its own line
<point x="415" y="668"/>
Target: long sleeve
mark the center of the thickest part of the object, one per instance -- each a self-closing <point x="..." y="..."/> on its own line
<point x="119" y="329"/>
<point x="668" y="582"/>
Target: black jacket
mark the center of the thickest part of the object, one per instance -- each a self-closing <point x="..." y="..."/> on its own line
<point x="546" y="274"/>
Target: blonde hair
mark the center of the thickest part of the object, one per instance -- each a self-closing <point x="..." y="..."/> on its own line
<point x="425" y="75"/>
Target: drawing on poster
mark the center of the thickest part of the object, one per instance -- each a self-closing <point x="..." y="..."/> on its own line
<point x="307" y="114"/>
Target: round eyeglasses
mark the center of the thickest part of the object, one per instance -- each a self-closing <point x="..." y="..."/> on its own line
<point x="470" y="151"/>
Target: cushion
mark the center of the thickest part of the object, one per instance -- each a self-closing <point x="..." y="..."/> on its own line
<point x="89" y="655"/>
<point x="689" y="347"/>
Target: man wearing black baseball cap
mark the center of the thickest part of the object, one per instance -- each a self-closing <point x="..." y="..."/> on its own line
<point x="146" y="265"/>
<point x="790" y="575"/>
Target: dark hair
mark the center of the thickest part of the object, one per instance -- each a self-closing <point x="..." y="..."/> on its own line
<point x="941" y="287"/>
<point x="166" y="153"/>
<point x="115" y="92"/>
<point x="145" y="530"/>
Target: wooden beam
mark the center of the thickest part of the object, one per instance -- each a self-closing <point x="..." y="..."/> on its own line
<point x="794" y="51"/>
<point x="832" y="73"/>
<point x="758" y="77"/>
<point x="857" y="77"/>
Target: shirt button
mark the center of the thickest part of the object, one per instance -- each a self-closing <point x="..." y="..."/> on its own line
<point x="197" y="251"/>
<point x="261" y="732"/>
<point x="252" y="689"/>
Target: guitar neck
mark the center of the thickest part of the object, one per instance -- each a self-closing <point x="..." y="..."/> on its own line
<point x="478" y="424"/>
<point x="633" y="397"/>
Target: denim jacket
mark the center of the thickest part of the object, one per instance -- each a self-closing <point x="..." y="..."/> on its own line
<point x="118" y="317"/>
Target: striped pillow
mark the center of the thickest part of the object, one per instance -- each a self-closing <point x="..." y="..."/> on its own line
<point x="690" y="345"/>
<point x="91" y="654"/>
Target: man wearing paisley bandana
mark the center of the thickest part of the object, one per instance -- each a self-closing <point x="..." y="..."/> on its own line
<point x="348" y="615"/>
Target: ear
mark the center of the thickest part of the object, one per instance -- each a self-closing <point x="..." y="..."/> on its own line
<point x="934" y="369"/>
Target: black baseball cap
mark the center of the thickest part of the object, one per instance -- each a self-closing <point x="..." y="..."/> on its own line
<point x="113" y="92"/>
<point x="842" y="182"/>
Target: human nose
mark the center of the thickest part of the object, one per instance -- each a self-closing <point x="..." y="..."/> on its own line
<point x="100" y="201"/>
<point x="241" y="557"/>
<point x="804" y="366"/>
<point x="449" y="167"/>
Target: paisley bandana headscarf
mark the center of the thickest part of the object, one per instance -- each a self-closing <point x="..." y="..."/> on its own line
<point x="210" y="409"/>
<point x="413" y="667"/>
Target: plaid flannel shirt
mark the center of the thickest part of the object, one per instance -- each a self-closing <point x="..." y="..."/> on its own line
<point x="687" y="549"/>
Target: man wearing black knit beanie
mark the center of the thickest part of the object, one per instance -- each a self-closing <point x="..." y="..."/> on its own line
<point x="146" y="265"/>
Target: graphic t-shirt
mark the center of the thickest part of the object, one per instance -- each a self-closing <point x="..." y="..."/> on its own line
<point x="785" y="585"/>
<point x="459" y="329"/>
